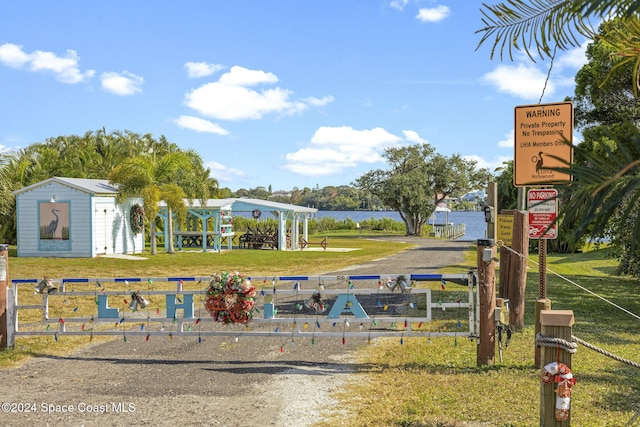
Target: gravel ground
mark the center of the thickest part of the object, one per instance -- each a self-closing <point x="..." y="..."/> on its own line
<point x="220" y="382"/>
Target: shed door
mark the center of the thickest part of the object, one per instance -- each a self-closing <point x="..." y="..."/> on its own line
<point x="103" y="227"/>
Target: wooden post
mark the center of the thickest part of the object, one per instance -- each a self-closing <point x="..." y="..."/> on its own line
<point x="486" y="351"/>
<point x="4" y="279"/>
<point x="541" y="305"/>
<point x="492" y="201"/>
<point x="554" y="324"/>
<point x="518" y="275"/>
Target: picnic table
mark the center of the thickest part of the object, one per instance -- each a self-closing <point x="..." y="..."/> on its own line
<point x="259" y="238"/>
<point x="193" y="239"/>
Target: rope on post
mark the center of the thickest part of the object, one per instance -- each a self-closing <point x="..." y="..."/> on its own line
<point x="571" y="347"/>
<point x="568" y="346"/>
<point x="606" y="353"/>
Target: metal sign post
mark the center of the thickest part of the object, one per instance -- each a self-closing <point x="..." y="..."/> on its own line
<point x="543" y="210"/>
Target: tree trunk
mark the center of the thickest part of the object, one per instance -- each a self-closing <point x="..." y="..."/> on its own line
<point x="169" y="225"/>
<point x="408" y="221"/>
<point x="152" y="236"/>
<point x="418" y="229"/>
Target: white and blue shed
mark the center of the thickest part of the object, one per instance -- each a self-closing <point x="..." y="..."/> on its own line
<point x="75" y="217"/>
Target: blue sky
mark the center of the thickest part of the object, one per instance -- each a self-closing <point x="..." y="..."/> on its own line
<point x="287" y="93"/>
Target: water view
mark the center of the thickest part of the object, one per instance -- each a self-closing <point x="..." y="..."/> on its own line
<point x="475" y="227"/>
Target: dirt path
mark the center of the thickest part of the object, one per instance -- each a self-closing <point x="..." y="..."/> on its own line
<point x="219" y="382"/>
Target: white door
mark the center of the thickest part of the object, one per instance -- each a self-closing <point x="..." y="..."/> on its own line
<point x="103" y="227"/>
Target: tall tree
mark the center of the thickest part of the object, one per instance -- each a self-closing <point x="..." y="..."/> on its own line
<point x="418" y="181"/>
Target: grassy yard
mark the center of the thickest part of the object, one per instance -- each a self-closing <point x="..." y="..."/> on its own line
<point x="432" y="382"/>
<point x="437" y="383"/>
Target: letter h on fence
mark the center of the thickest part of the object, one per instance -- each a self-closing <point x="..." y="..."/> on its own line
<point x="186" y="306"/>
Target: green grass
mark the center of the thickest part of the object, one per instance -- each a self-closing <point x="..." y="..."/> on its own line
<point x="198" y="263"/>
<point x="437" y="383"/>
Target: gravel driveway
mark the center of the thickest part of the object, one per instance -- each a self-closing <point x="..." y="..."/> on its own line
<point x="219" y="382"/>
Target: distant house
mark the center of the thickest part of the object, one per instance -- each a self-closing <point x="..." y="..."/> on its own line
<point x="473" y="196"/>
<point x="75" y="217"/>
<point x="280" y="195"/>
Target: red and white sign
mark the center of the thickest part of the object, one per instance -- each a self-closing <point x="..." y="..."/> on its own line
<point x="543" y="210"/>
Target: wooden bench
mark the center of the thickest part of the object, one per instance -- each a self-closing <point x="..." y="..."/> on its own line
<point x="303" y="243"/>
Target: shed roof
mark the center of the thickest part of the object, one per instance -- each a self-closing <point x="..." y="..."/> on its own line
<point x="86" y="185"/>
<point x="245" y="205"/>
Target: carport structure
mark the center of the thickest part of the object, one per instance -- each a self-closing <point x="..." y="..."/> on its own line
<point x="210" y="226"/>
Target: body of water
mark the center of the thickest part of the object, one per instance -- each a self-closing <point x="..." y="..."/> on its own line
<point x="475" y="227"/>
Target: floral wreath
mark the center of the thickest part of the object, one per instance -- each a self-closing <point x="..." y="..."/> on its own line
<point x="230" y="298"/>
<point x="136" y="215"/>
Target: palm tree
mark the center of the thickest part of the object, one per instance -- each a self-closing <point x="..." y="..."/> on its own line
<point x="154" y="178"/>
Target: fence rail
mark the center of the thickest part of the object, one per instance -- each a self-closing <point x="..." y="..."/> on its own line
<point x="448" y="231"/>
<point x="280" y="310"/>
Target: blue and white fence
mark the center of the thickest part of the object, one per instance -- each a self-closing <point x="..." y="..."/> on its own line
<point x="365" y="306"/>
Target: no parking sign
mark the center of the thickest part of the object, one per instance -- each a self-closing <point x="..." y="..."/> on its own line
<point x="543" y="210"/>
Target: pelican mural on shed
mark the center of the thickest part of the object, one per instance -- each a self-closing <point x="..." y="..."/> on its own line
<point x="74" y="217"/>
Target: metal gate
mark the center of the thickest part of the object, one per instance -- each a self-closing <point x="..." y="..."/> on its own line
<point x="365" y="306"/>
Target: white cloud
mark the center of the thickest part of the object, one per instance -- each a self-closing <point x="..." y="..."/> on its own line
<point x="13" y="56"/>
<point x="240" y="76"/>
<point x="331" y="150"/>
<point x="122" y="84"/>
<point x="434" y="14"/>
<point x="526" y="80"/>
<point x="201" y="69"/>
<point x="398" y="4"/>
<point x="200" y="125"/>
<point x="233" y="97"/>
<point x="65" y="68"/>
<point x="574" y="58"/>
<point x="412" y="136"/>
<point x="492" y="165"/>
<point x="319" y="102"/>
<point x="522" y="81"/>
<point x="508" y="141"/>
<point x="223" y="173"/>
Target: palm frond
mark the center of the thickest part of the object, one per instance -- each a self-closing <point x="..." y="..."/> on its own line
<point x="542" y="25"/>
<point x="624" y="39"/>
<point x="607" y="185"/>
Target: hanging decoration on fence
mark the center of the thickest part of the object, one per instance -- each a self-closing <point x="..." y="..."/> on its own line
<point x="560" y="374"/>
<point x="401" y="282"/>
<point x="45" y="285"/>
<point x="230" y="298"/>
<point x="137" y="301"/>
<point x="316" y="302"/>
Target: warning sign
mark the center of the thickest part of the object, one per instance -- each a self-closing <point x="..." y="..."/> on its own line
<point x="541" y="134"/>
<point x="543" y="210"/>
